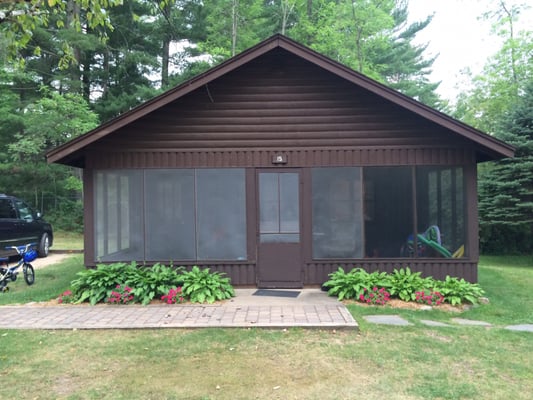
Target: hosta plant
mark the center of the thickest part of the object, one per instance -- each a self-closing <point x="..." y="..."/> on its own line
<point x="352" y="284"/>
<point x="458" y="291"/>
<point x="403" y="283"/>
<point x="96" y="285"/>
<point x="155" y="281"/>
<point x="203" y="286"/>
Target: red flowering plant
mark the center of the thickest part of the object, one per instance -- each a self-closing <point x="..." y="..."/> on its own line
<point x="174" y="296"/>
<point x="432" y="298"/>
<point x="121" y="295"/>
<point x="376" y="296"/>
<point x="66" y="297"/>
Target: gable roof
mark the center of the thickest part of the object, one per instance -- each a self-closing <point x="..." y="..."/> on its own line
<point x="489" y="147"/>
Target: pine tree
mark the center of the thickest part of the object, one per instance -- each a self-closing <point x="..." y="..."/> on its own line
<point x="506" y="188"/>
<point x="402" y="63"/>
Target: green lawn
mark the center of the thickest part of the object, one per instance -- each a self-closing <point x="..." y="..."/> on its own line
<point x="50" y="282"/>
<point x="415" y="362"/>
<point x="67" y="241"/>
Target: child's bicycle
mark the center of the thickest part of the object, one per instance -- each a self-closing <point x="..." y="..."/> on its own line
<point x="9" y="274"/>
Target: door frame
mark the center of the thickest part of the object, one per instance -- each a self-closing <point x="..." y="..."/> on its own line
<point x="270" y="252"/>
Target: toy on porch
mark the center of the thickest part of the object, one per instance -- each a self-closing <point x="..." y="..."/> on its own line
<point x="429" y="244"/>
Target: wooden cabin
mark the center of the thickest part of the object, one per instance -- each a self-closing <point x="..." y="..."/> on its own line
<point x="277" y="167"/>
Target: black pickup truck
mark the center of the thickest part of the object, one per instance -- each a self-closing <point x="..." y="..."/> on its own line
<point x="20" y="224"/>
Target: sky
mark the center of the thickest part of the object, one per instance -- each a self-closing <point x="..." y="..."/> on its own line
<point x="459" y="37"/>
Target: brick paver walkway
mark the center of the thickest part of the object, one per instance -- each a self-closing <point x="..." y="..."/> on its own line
<point x="224" y="315"/>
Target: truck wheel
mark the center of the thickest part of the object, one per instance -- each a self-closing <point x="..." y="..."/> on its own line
<point x="44" y="245"/>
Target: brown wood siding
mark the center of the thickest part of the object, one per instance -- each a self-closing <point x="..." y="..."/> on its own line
<point x="316" y="273"/>
<point x="240" y="274"/>
<point x="293" y="104"/>
<point x="279" y="104"/>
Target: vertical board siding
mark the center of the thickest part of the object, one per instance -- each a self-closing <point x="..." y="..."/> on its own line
<point x="242" y="274"/>
<point x="316" y="273"/>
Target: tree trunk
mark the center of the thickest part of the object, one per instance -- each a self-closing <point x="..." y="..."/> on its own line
<point x="165" y="56"/>
<point x="510" y="16"/>
<point x="235" y="16"/>
<point x="73" y="14"/>
<point x="286" y="10"/>
<point x="165" y="62"/>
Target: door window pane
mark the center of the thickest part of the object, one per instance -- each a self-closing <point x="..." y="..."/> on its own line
<point x="337" y="213"/>
<point x="221" y="214"/>
<point x="170" y="215"/>
<point x="279" y="207"/>
<point x="289" y="203"/>
<point x="269" y="203"/>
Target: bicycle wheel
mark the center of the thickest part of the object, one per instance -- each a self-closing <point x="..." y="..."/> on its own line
<point x="29" y="273"/>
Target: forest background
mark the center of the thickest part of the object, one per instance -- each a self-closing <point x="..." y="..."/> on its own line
<point x="67" y="66"/>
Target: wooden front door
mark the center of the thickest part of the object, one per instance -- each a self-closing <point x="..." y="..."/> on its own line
<point x="279" y="252"/>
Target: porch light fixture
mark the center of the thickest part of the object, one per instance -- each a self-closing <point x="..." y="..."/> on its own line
<point x="279" y="159"/>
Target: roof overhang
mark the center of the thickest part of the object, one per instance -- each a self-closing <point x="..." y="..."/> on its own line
<point x="490" y="148"/>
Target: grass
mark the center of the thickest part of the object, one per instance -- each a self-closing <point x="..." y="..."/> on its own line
<point x="507" y="282"/>
<point x="50" y="282"/>
<point x="415" y="362"/>
<point x="67" y="241"/>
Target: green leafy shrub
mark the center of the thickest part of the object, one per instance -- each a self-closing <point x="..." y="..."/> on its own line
<point x="202" y="286"/>
<point x="376" y="278"/>
<point x="147" y="283"/>
<point x="153" y="282"/>
<point x="68" y="216"/>
<point x="95" y="285"/>
<point x="403" y="283"/>
<point x="352" y="284"/>
<point x="457" y="291"/>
